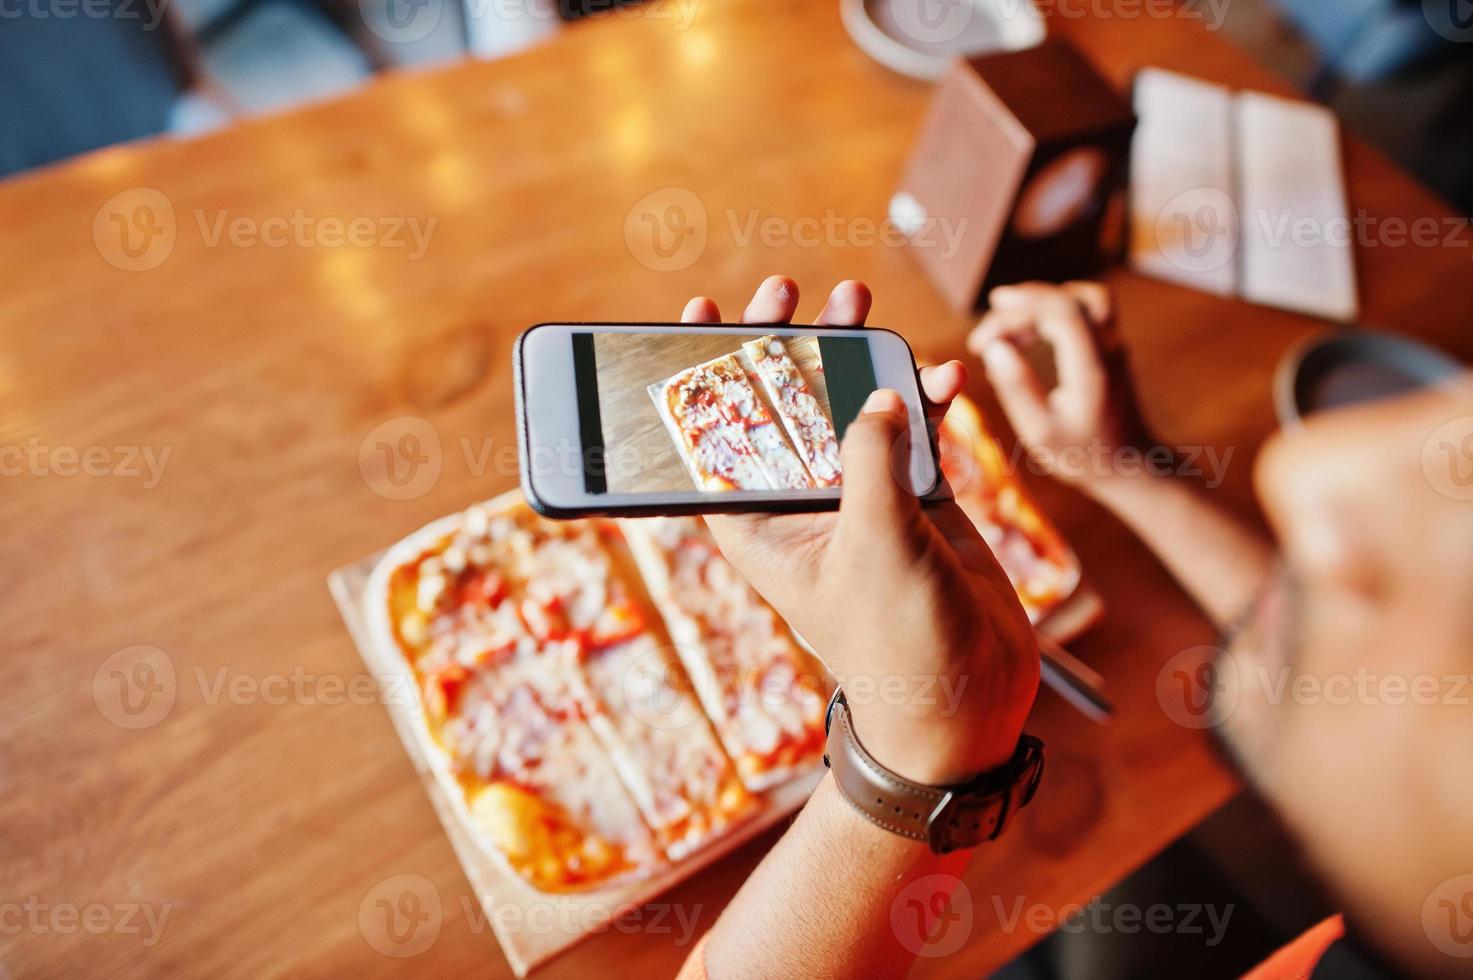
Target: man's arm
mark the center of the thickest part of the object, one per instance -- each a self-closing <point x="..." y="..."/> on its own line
<point x="911" y="602"/>
<point x="1090" y="415"/>
<point x="820" y="903"/>
<point x="1218" y="560"/>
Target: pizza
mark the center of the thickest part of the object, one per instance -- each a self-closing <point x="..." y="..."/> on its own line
<point x="600" y="699"/>
<point x="686" y="787"/>
<point x="765" y="695"/>
<point x="524" y="638"/>
<point x="725" y="432"/>
<point x="536" y="780"/>
<point x="1041" y="566"/>
<point x="804" y="418"/>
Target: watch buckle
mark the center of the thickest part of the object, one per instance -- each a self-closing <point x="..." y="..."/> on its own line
<point x="828" y="713"/>
<point x="936" y="824"/>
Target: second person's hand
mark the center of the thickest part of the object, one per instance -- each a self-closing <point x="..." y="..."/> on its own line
<point x="1076" y="429"/>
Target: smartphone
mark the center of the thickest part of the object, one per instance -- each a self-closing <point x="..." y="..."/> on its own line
<point x="652" y="418"/>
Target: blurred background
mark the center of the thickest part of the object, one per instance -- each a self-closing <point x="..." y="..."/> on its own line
<point x="129" y="69"/>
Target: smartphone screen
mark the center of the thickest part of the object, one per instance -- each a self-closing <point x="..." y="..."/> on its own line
<point x="687" y="418"/>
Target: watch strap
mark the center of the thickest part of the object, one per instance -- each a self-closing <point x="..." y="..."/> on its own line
<point x="947" y="818"/>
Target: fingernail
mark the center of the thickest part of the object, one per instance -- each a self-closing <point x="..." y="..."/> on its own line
<point x="882" y="401"/>
<point x="999" y="355"/>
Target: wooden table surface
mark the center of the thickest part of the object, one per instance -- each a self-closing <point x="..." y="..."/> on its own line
<point x="204" y="437"/>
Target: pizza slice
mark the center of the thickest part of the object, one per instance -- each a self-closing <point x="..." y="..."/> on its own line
<point x="804" y="418"/>
<point x="763" y="693"/>
<point x="1043" y="569"/>
<point x="646" y="713"/>
<point x="567" y="586"/>
<point x="492" y="665"/>
<point x="725" y="433"/>
<point x="537" y="780"/>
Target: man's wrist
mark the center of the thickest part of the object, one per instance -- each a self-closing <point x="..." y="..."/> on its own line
<point x="932" y="749"/>
<point x="1118" y="489"/>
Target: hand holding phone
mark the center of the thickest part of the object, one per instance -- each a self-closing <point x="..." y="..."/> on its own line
<point x="631" y="419"/>
<point x="905" y="604"/>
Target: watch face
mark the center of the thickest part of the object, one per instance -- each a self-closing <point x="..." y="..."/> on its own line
<point x="1064" y="191"/>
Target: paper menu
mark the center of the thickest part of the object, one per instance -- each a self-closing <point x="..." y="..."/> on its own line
<point x="1296" y="248"/>
<point x="1240" y="194"/>
<point x="1183" y="220"/>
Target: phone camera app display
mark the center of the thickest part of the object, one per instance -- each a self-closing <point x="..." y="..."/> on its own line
<point x="716" y="412"/>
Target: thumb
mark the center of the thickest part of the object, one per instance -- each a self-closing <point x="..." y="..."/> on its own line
<point x="877" y="502"/>
<point x="1017" y="388"/>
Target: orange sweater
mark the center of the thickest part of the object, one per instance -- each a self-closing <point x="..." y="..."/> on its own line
<point x="1297" y="960"/>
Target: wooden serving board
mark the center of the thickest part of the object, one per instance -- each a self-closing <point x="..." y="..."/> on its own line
<point x="534" y="926"/>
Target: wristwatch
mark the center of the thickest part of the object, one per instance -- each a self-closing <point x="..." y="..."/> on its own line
<point x="948" y="818"/>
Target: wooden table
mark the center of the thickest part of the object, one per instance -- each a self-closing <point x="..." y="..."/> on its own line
<point x="263" y="809"/>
